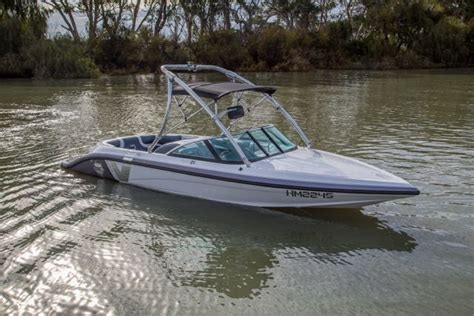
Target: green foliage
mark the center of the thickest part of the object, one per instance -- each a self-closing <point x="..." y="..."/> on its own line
<point x="11" y="66"/>
<point x="296" y="35"/>
<point x="161" y="50"/>
<point x="16" y="33"/>
<point x="25" y="51"/>
<point x="59" y="58"/>
<point x="470" y="39"/>
<point x="449" y="45"/>
<point x="119" y="53"/>
<point x="222" y="48"/>
<point x="270" y="46"/>
<point x="143" y="52"/>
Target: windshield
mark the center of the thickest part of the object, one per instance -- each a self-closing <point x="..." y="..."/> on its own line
<point x="256" y="144"/>
<point x="279" y="138"/>
<point x="265" y="142"/>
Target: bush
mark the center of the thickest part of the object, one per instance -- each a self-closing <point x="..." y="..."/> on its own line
<point x="15" y="34"/>
<point x="224" y="48"/>
<point x="11" y="67"/>
<point x="161" y="51"/>
<point x="410" y="59"/>
<point x="268" y="47"/>
<point x="121" y="52"/>
<point x="59" y="58"/>
<point x="470" y="40"/>
<point x="449" y="42"/>
<point x="25" y="52"/>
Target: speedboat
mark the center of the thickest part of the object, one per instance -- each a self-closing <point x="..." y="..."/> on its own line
<point x="259" y="166"/>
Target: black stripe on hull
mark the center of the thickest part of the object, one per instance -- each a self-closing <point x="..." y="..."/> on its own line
<point x="93" y="167"/>
<point x="77" y="165"/>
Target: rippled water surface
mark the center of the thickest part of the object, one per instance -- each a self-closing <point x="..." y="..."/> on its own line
<point x="77" y="244"/>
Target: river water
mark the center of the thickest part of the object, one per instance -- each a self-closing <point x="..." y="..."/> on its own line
<point x="77" y="244"/>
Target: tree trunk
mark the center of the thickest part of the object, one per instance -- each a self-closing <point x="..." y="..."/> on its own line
<point x="136" y="9"/>
<point x="161" y="17"/>
<point x="226" y="13"/>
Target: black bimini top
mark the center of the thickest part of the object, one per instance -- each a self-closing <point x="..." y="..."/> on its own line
<point x="220" y="89"/>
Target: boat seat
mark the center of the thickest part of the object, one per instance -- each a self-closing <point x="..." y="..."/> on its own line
<point x="133" y="142"/>
<point x="142" y="143"/>
<point x="147" y="139"/>
<point x="115" y="142"/>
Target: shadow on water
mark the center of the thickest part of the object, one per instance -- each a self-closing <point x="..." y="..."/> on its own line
<point x="238" y="246"/>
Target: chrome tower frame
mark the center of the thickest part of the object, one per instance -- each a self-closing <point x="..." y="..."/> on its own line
<point x="172" y="78"/>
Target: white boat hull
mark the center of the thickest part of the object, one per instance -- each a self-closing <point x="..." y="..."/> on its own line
<point x="265" y="184"/>
<point x="239" y="193"/>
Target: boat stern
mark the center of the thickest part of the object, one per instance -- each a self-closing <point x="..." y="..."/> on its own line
<point x="88" y="164"/>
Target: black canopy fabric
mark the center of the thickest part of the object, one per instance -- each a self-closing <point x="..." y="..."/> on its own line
<point x="220" y="89"/>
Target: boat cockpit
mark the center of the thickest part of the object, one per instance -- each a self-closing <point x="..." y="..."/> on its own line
<point x="256" y="143"/>
<point x="143" y="142"/>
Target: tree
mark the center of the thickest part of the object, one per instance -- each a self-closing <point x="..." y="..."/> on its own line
<point x="247" y="14"/>
<point x="91" y="8"/>
<point x="113" y="16"/>
<point x="67" y="11"/>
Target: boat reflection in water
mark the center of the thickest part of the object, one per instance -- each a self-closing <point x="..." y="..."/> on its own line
<point x="112" y="248"/>
<point x="233" y="250"/>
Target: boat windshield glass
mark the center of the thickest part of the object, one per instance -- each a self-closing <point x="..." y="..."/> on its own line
<point x="196" y="150"/>
<point x="250" y="148"/>
<point x="265" y="142"/>
<point x="256" y="144"/>
<point x="279" y="138"/>
<point x="224" y="149"/>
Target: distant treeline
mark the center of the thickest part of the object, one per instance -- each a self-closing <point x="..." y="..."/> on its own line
<point x="126" y="36"/>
